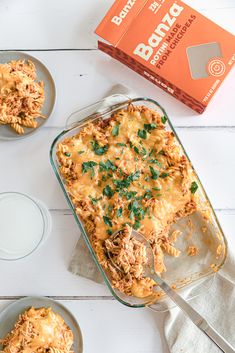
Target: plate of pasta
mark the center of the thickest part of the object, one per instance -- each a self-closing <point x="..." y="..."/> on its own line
<point x="27" y="95"/>
<point x="39" y="325"/>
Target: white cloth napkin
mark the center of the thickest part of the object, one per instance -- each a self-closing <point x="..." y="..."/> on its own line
<point x="81" y="262"/>
<point x="216" y="305"/>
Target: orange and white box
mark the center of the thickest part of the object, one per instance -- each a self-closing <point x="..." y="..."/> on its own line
<point x="171" y="45"/>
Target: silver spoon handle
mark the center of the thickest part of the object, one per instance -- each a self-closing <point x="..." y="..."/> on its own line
<point x="194" y="316"/>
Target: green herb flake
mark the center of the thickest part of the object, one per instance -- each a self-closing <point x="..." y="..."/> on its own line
<point x="134" y="176"/>
<point x="107" y="221"/>
<point x="148" y="195"/>
<point x="99" y="150"/>
<point x="142" y="134"/>
<point x="120" y="171"/>
<point x="156" y="189"/>
<point x="193" y="187"/>
<point x="136" y="150"/>
<point x="164" y="175"/>
<point x="131" y="144"/>
<point x="136" y="210"/>
<point x="67" y="154"/>
<point x="81" y="152"/>
<point x="121" y="144"/>
<point x="164" y="119"/>
<point x="136" y="225"/>
<point x="119" y="212"/>
<point x="154" y="173"/>
<point x="115" y="130"/>
<point x="86" y="166"/>
<point x="107" y="191"/>
<point x="130" y="194"/>
<point x="109" y="231"/>
<point x="155" y="161"/>
<point x="105" y="166"/>
<point x="150" y="127"/>
<point x="151" y="152"/>
<point x="126" y="182"/>
<point x="94" y="200"/>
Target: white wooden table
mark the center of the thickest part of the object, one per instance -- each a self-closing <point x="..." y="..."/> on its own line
<point x="60" y="33"/>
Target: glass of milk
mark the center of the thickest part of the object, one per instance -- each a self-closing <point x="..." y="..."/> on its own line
<point x="25" y="224"/>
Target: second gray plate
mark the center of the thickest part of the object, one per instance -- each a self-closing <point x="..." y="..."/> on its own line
<point x="6" y="133"/>
<point x="11" y="313"/>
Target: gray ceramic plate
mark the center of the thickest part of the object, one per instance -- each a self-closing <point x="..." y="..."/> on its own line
<point x="6" y="133"/>
<point x="10" y="314"/>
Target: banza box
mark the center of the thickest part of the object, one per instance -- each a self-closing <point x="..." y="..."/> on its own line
<point x="171" y="45"/>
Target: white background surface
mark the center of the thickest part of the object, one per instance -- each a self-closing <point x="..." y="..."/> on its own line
<point x="60" y="33"/>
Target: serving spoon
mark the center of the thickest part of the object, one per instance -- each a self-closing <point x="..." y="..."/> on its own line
<point x="192" y="314"/>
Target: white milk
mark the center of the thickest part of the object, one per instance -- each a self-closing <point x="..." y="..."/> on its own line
<point x="21" y="225"/>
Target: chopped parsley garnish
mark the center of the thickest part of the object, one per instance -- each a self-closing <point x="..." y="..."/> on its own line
<point x="107" y="191"/>
<point x="119" y="212"/>
<point x="152" y="152"/>
<point x="193" y="187"/>
<point x="131" y="144"/>
<point x="99" y="150"/>
<point x="121" y="184"/>
<point x="154" y="173"/>
<point x="150" y="127"/>
<point x="120" y="171"/>
<point x="136" y="210"/>
<point x="108" y="165"/>
<point x="164" y="175"/>
<point x="148" y="194"/>
<point x="156" y="189"/>
<point x="67" y="154"/>
<point x="94" y="200"/>
<point x="121" y="144"/>
<point x="136" y="150"/>
<point x="115" y="130"/>
<point x="80" y="152"/>
<point x="136" y="225"/>
<point x="134" y="176"/>
<point x="130" y="194"/>
<point x="143" y="151"/>
<point x="109" y="231"/>
<point x="142" y="134"/>
<point x="163" y="119"/>
<point x="107" y="221"/>
<point x="126" y="182"/>
<point x="155" y="161"/>
<point x="86" y="166"/>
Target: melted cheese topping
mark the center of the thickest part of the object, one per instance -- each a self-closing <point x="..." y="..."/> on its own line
<point x="128" y="170"/>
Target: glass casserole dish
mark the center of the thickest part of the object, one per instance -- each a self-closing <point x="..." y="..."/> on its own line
<point x="201" y="241"/>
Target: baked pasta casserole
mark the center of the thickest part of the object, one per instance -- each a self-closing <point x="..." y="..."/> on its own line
<point x="128" y="172"/>
<point x="39" y="331"/>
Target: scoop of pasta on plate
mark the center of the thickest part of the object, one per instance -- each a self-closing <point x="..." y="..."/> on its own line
<point x="39" y="330"/>
<point x="21" y="95"/>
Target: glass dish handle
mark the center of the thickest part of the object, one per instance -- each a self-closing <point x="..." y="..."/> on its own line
<point x="100" y="107"/>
